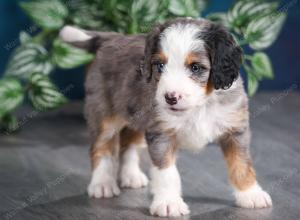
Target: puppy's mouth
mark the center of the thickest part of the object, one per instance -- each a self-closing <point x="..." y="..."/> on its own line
<point x="177" y="111"/>
<point x="173" y="109"/>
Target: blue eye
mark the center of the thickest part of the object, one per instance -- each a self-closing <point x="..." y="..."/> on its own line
<point x="160" y="67"/>
<point x="197" y="68"/>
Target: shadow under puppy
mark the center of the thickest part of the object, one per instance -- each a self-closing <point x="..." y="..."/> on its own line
<point x="177" y="87"/>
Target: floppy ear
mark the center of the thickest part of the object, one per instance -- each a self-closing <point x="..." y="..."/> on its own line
<point x="225" y="55"/>
<point x="151" y="47"/>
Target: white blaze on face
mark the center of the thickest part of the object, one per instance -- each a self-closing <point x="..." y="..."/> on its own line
<point x="176" y="43"/>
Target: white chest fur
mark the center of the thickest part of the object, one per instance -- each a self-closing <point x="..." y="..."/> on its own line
<point x="201" y="128"/>
<point x="204" y="125"/>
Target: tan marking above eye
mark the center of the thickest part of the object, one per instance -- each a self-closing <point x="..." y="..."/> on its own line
<point x="195" y="57"/>
<point x="190" y="59"/>
<point x="160" y="56"/>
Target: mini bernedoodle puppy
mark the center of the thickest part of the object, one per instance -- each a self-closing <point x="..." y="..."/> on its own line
<point x="177" y="87"/>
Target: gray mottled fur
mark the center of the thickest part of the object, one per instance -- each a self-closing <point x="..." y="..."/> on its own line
<point x="115" y="84"/>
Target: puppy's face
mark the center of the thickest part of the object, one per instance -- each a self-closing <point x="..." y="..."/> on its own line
<point x="189" y="59"/>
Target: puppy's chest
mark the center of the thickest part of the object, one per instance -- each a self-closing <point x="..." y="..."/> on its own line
<point x="200" y="129"/>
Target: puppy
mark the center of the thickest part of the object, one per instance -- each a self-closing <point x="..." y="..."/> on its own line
<point x="177" y="87"/>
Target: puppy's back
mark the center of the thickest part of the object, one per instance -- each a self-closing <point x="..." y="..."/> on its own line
<point x="114" y="83"/>
<point x="116" y="67"/>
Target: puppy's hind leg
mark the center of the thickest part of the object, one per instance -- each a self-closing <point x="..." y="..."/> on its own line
<point x="130" y="173"/>
<point x="104" y="158"/>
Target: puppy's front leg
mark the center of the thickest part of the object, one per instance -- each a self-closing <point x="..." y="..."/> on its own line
<point x="248" y="193"/>
<point x="165" y="179"/>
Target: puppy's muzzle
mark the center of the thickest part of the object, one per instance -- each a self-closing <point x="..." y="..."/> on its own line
<point x="172" y="98"/>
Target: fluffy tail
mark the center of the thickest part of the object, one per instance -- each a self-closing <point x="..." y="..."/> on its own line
<point x="87" y="40"/>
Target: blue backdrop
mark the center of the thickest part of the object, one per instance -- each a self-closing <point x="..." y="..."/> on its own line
<point x="284" y="52"/>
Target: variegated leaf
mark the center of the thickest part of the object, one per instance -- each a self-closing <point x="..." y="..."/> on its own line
<point x="46" y="14"/>
<point x="262" y="66"/>
<point x="262" y="32"/>
<point x="11" y="95"/>
<point x="66" y="56"/>
<point x="244" y="11"/>
<point x="43" y="94"/>
<point x="27" y="59"/>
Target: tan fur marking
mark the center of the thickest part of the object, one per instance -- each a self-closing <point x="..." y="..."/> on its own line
<point x="190" y="59"/>
<point x="129" y="137"/>
<point x="108" y="139"/>
<point x="209" y="87"/>
<point x="108" y="148"/>
<point x="161" y="57"/>
<point x="197" y="58"/>
<point x="240" y="170"/>
<point x="113" y="122"/>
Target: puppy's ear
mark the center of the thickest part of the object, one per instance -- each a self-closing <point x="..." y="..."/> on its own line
<point x="151" y="47"/>
<point x="225" y="55"/>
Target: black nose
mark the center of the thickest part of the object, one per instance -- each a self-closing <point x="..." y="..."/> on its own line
<point x="171" y="98"/>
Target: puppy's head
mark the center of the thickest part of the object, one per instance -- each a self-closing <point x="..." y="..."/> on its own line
<point x="188" y="59"/>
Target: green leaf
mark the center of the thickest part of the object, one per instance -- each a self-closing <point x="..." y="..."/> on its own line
<point x="244" y="11"/>
<point x="46" y="14"/>
<point x="262" y="32"/>
<point x="177" y="7"/>
<point x="9" y="123"/>
<point x="27" y="59"/>
<point x="66" y="56"/>
<point x="142" y="13"/>
<point x="252" y="84"/>
<point x="145" y="10"/>
<point x="87" y="15"/>
<point x="186" y="8"/>
<point x="262" y="65"/>
<point x="43" y="94"/>
<point x="11" y="95"/>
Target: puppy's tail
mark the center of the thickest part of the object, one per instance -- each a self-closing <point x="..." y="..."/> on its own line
<point x="87" y="40"/>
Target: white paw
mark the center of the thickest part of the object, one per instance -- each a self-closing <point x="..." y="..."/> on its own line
<point x="169" y="208"/>
<point x="105" y="189"/>
<point x="254" y="197"/>
<point x="133" y="178"/>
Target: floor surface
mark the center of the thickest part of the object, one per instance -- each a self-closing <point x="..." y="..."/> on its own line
<point x="44" y="169"/>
